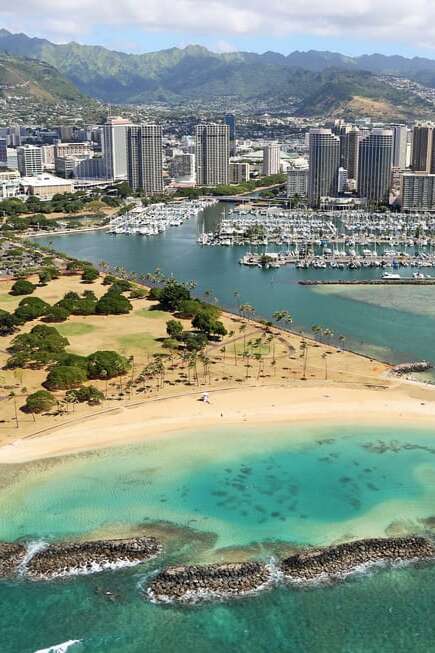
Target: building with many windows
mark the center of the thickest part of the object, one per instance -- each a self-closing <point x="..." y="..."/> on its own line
<point x="417" y="192"/>
<point x="297" y="183"/>
<point x="239" y="172"/>
<point x="212" y="145"/>
<point x="145" y="158"/>
<point x="324" y="153"/>
<point x="422" y="148"/>
<point x="271" y="159"/>
<point x="114" y="147"/>
<point x="375" y="156"/>
<point x="29" y="159"/>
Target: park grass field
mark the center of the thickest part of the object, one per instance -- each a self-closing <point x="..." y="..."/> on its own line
<point x="250" y="354"/>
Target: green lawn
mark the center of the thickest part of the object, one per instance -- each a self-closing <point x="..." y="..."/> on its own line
<point x="141" y="341"/>
<point x="145" y="312"/>
<point x="75" y="328"/>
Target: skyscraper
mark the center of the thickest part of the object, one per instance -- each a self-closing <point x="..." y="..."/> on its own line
<point x="212" y="154"/>
<point x="375" y="155"/>
<point x="145" y="158"/>
<point x="324" y="149"/>
<point x="422" y="148"/>
<point x="230" y="120"/>
<point x="349" y="151"/>
<point x="29" y="158"/>
<point x="400" y="145"/>
<point x="114" y="147"/>
<point x="271" y="159"/>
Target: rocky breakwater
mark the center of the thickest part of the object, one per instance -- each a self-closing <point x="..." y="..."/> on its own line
<point x="89" y="557"/>
<point x="210" y="581"/>
<point x="336" y="561"/>
<point x="11" y="555"/>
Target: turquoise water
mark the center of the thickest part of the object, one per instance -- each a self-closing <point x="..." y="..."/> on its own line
<point x="218" y="495"/>
<point x="387" y="328"/>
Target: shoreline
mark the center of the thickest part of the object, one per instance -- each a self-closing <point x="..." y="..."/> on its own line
<point x="315" y="403"/>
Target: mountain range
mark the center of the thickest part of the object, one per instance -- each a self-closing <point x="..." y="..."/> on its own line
<point x="30" y="78"/>
<point x="319" y="82"/>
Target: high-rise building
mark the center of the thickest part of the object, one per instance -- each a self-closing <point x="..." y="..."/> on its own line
<point x="239" y="172"/>
<point x="271" y="159"/>
<point x="145" y="158"/>
<point x="400" y="145"/>
<point x="212" y="154"/>
<point x="375" y="155"/>
<point x="297" y="182"/>
<point x="417" y="191"/>
<point x="3" y="152"/>
<point x="29" y="158"/>
<point x="349" y="151"/>
<point x="324" y="147"/>
<point x="230" y="120"/>
<point x="422" y="148"/>
<point x="114" y="147"/>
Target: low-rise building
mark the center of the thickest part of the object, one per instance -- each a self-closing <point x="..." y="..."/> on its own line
<point x="45" y="186"/>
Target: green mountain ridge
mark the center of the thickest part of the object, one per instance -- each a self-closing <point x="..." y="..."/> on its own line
<point x="317" y="83"/>
<point x="38" y="80"/>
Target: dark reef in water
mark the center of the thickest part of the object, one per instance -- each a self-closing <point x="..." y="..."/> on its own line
<point x="343" y="558"/>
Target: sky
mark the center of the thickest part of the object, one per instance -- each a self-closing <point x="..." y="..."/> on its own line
<point x="349" y="26"/>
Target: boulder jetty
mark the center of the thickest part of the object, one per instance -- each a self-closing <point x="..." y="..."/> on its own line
<point x="336" y="561"/>
<point x="191" y="583"/>
<point x="11" y="555"/>
<point x="89" y="557"/>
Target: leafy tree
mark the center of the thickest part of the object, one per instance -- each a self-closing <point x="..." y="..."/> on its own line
<point x="173" y="295"/>
<point x="106" y="365"/>
<point x="40" y="338"/>
<point x="90" y="275"/>
<point x="31" y="308"/>
<point x="207" y="324"/>
<point x="75" y="360"/>
<point x="47" y="274"/>
<point x="194" y="341"/>
<point x="109" y="280"/>
<point x="138" y="293"/>
<point x="56" y="314"/>
<point x="85" y="393"/>
<point x="22" y="287"/>
<point x="174" y="329"/>
<point x="64" y="377"/>
<point x="39" y="402"/>
<point x="120" y="285"/>
<point x="8" y="323"/>
<point x="113" y="303"/>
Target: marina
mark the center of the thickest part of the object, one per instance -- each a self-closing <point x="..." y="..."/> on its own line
<point x="157" y="218"/>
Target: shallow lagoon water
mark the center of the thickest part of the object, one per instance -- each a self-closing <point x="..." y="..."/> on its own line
<point x="222" y="490"/>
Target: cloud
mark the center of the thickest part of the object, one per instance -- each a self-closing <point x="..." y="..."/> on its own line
<point x="393" y="20"/>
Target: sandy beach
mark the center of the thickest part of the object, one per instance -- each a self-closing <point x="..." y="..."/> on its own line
<point x="316" y="402"/>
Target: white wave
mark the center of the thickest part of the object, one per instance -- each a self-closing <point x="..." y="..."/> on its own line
<point x="91" y="568"/>
<point x="59" y="648"/>
<point x="31" y="549"/>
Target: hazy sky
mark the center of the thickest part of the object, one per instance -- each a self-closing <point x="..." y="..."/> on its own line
<point x="350" y="26"/>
